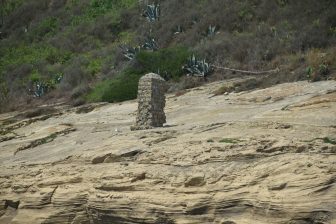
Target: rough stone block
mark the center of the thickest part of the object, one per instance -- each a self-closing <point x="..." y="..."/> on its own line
<point x="151" y="102"/>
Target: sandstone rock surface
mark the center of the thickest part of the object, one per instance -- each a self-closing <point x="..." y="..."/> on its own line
<point x="262" y="156"/>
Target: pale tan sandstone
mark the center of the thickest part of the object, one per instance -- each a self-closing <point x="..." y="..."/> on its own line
<point x="234" y="158"/>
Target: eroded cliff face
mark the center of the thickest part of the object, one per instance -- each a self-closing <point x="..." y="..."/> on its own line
<point x="264" y="156"/>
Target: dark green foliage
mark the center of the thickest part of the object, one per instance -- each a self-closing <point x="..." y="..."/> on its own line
<point x="168" y="62"/>
<point x="7" y="7"/>
<point x="48" y="26"/>
<point x="124" y="87"/>
<point x="329" y="140"/>
<point x="97" y="8"/>
<point x="31" y="54"/>
<point x="100" y="7"/>
<point x="95" y="66"/>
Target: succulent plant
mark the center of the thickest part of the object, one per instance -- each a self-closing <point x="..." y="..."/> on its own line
<point x="150" y="44"/>
<point x="212" y="31"/>
<point x="152" y="12"/>
<point x="195" y="19"/>
<point x="178" y="29"/>
<point x="58" y="78"/>
<point x="40" y="88"/>
<point x="130" y="52"/>
<point x="197" y="67"/>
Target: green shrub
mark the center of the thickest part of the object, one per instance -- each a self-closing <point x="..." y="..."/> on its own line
<point x="31" y="54"/>
<point x="126" y="37"/>
<point x="98" y="8"/>
<point x="7" y="7"/>
<point x="35" y="76"/>
<point x="124" y="87"/>
<point x="165" y="61"/>
<point x="48" y="26"/>
<point x="95" y="66"/>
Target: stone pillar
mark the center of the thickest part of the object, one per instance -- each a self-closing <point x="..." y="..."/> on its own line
<point x="151" y="102"/>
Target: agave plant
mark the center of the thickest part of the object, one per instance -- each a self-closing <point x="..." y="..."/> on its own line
<point x="195" y="19"/>
<point x="152" y="12"/>
<point x="40" y="88"/>
<point x="212" y="31"/>
<point x="150" y="44"/>
<point x="58" y="78"/>
<point x="130" y="52"/>
<point x="197" y="67"/>
<point x="178" y="29"/>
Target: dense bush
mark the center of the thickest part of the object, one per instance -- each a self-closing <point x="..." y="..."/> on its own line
<point x="30" y="54"/>
<point x="48" y="26"/>
<point x="123" y="87"/>
<point x="167" y="62"/>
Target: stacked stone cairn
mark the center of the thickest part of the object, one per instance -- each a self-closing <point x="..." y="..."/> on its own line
<point x="151" y="102"/>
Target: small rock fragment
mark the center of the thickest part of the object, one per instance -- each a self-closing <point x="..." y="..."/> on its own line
<point x="195" y="181"/>
<point x="277" y="187"/>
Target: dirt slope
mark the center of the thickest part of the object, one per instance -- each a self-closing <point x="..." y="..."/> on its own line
<point x="263" y="156"/>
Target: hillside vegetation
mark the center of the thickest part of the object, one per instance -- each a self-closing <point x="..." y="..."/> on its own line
<point x="96" y="50"/>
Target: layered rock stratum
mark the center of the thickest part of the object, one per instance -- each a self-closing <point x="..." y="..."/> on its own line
<point x="261" y="156"/>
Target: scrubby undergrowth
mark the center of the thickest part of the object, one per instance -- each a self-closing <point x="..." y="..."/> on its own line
<point x="80" y="41"/>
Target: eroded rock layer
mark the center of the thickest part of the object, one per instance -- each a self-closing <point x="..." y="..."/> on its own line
<point x="263" y="156"/>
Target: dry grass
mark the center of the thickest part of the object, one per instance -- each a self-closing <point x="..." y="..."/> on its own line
<point x="320" y="63"/>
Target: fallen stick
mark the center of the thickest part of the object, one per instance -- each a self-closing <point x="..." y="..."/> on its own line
<point x="247" y="72"/>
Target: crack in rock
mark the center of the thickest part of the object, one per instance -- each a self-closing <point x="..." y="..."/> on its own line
<point x="45" y="140"/>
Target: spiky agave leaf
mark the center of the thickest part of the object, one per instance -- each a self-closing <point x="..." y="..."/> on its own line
<point x="178" y="29"/>
<point x="130" y="52"/>
<point x="152" y="12"/>
<point x="212" y="31"/>
<point x="150" y="44"/>
<point x="197" y="67"/>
